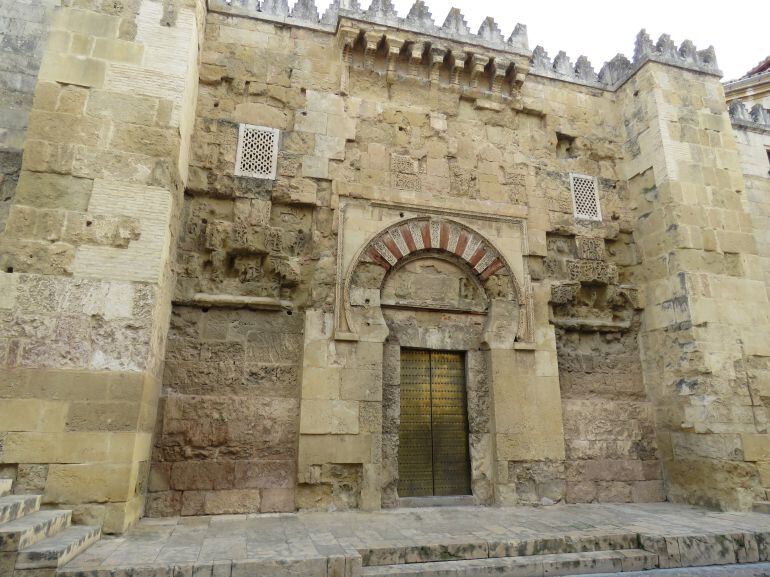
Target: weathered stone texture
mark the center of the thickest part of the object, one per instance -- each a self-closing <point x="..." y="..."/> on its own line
<point x="706" y="299"/>
<point x="24" y="27"/>
<point x="228" y="425"/>
<point x="85" y="248"/>
<point x="422" y="199"/>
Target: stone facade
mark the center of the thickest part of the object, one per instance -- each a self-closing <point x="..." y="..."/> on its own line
<point x="179" y="340"/>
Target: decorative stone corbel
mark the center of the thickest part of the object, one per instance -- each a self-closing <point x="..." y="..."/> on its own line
<point x="437" y="55"/>
<point x="501" y="76"/>
<point x="416" y="51"/>
<point x="394" y="52"/>
<point x="347" y="39"/>
<point x="372" y="40"/>
<point x="458" y="67"/>
<point x="478" y="64"/>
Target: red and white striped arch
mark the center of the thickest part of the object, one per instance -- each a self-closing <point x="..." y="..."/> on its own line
<point x="417" y="235"/>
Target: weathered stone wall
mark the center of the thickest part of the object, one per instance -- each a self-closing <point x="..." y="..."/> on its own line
<point x="406" y="142"/>
<point x="226" y="439"/>
<point x="753" y="146"/>
<point x="85" y="254"/>
<point x="23" y="34"/>
<point x="704" y="327"/>
<point x="609" y="425"/>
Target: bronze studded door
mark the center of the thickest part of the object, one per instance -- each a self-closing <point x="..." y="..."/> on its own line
<point x="433" y="456"/>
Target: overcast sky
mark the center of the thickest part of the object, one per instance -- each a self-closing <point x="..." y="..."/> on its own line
<point x="602" y="28"/>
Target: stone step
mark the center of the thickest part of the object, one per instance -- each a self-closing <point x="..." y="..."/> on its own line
<point x="528" y="566"/>
<point x="14" y="506"/>
<point x="5" y="486"/>
<point x="466" y="550"/>
<point x="57" y="550"/>
<point x="761" y="506"/>
<point x="32" y="528"/>
<point x="453" y="501"/>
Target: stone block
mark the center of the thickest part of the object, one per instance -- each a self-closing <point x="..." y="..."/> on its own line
<point x="8" y="288"/>
<point x="321" y="383"/>
<point x="32" y="415"/>
<point x="330" y="147"/>
<point x="87" y="22"/>
<point x="325" y="102"/>
<point x="648" y="492"/>
<point x="341" y="127"/>
<point x="33" y="447"/>
<point x="242" y="37"/>
<point x="66" y="128"/>
<point x="264" y="474"/>
<point x="701" y="550"/>
<point x="315" y="167"/>
<point x="321" y="417"/>
<point x="72" y="69"/>
<point x="131" y="108"/>
<point x="361" y="385"/>
<point x="103" y="416"/>
<point x="163" y="142"/>
<point x="277" y="500"/>
<point x="201" y="475"/>
<point x="756" y="447"/>
<point x="231" y="501"/>
<point x="261" y="115"/>
<point x="322" y="449"/>
<point x="43" y="190"/>
<point x="115" y="50"/>
<point x="89" y="483"/>
<point x="315" y="122"/>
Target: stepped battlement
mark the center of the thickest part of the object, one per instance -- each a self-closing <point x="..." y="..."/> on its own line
<point x="382" y="13"/>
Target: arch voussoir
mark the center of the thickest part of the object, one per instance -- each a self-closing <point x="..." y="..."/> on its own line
<point x="399" y="241"/>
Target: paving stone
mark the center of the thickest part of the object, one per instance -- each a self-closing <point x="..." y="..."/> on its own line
<point x="596" y="537"/>
<point x="59" y="549"/>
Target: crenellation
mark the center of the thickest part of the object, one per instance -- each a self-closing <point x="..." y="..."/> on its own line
<point x="278" y="8"/>
<point x="584" y="70"/>
<point x="758" y="117"/>
<point x="381" y="10"/>
<point x="643" y="46"/>
<point x="305" y="10"/>
<point x="519" y="39"/>
<point x="615" y="71"/>
<point x="490" y="31"/>
<point x="419" y="14"/>
<point x="455" y="24"/>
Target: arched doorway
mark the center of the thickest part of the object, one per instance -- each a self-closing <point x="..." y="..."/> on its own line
<point x="437" y="294"/>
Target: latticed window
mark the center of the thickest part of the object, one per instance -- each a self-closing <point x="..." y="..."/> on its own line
<point x="585" y="197"/>
<point x="257" y="154"/>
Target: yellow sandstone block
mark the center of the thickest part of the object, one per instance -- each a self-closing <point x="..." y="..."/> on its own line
<point x="32" y="415"/>
<point x="72" y="69"/>
<point x="321" y="449"/>
<point x="93" y="482"/>
<point x="22" y="447"/>
<point x="118" y="51"/>
<point x="756" y="447"/>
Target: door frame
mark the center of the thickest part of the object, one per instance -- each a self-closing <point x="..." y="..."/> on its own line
<point x="464" y="463"/>
<point x="460" y="333"/>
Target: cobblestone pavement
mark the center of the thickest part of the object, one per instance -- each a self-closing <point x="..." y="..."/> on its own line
<point x="311" y="536"/>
